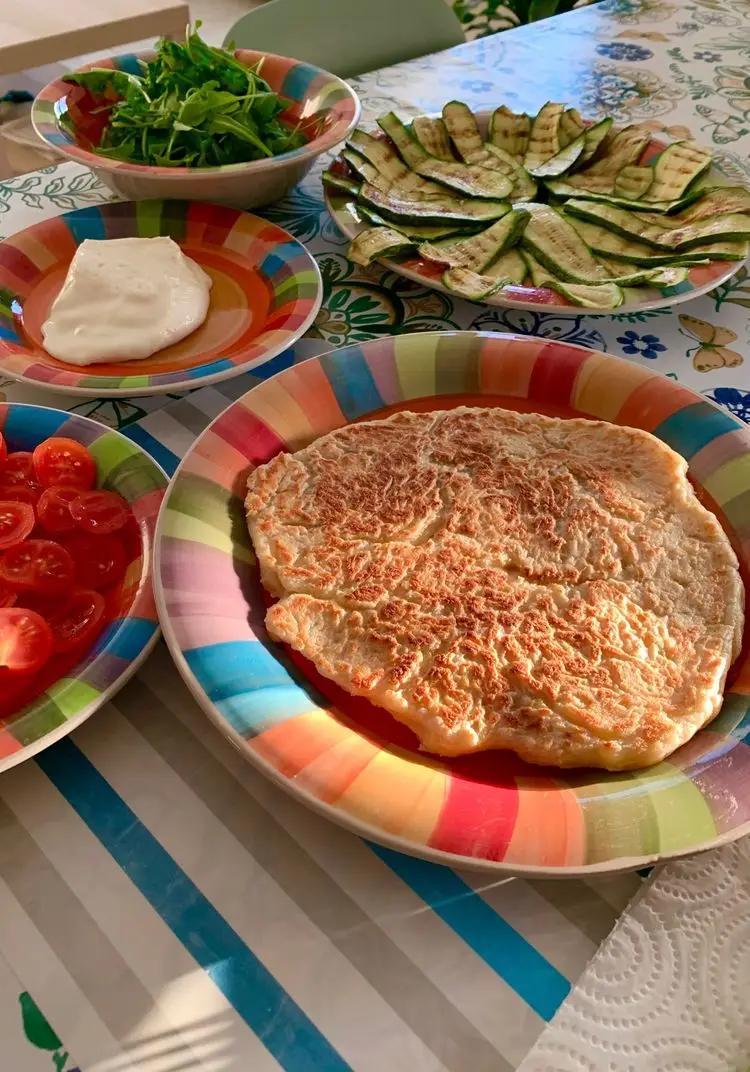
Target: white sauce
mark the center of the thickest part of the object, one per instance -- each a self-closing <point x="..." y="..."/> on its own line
<point x="125" y="298"/>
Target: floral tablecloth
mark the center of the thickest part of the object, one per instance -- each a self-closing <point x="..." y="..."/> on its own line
<point x="279" y="941"/>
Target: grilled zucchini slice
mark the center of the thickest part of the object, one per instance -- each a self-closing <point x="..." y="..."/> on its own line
<point x="360" y="165"/>
<point x="467" y="139"/>
<point x="633" y="181"/>
<point x="560" y="162"/>
<point x="470" y="285"/>
<point x="460" y="123"/>
<point x="674" y="170"/>
<point x="605" y="243"/>
<point x="432" y="135"/>
<point x="422" y="232"/>
<point x="510" y="131"/>
<point x="553" y="242"/>
<point x="593" y="136"/>
<point x="589" y="295"/>
<point x="561" y="188"/>
<point x="716" y="201"/>
<point x="479" y="250"/>
<point x="733" y="228"/>
<point x="342" y="183"/>
<point x="624" y="148"/>
<point x="381" y="154"/>
<point x="377" y="242"/>
<point x="571" y="127"/>
<point x="467" y="179"/>
<point x="395" y="206"/>
<point x="544" y="138"/>
<point x="509" y="265"/>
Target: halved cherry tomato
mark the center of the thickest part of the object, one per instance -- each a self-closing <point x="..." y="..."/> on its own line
<point x="20" y="493"/>
<point x="100" y="561"/>
<point x="16" y="522"/>
<point x="37" y="566"/>
<point x="79" y="622"/>
<point x="100" y="512"/>
<point x="3" y="450"/>
<point x="18" y="467"/>
<point x="25" y="639"/>
<point x="53" y="508"/>
<point x="64" y="461"/>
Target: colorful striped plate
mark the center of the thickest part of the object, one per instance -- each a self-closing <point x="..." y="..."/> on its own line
<point x="266" y="292"/>
<point x="350" y="760"/>
<point x="127" y="469"/>
<point x="701" y="277"/>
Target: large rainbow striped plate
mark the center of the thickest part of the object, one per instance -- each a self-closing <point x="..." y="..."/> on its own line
<point x="133" y="629"/>
<point x="266" y="292"/>
<point x="350" y="760"/>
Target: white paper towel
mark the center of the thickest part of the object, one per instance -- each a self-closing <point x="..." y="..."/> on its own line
<point x="669" y="990"/>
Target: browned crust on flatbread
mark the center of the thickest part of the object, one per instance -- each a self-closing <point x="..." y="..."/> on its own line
<point x="504" y="580"/>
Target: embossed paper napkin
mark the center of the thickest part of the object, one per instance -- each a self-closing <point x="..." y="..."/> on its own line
<point x="669" y="990"/>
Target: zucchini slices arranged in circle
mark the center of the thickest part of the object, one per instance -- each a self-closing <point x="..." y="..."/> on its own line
<point x="581" y="208"/>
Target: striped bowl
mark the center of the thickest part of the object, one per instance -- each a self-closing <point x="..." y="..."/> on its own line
<point x="325" y="104"/>
<point x="350" y="760"/>
<point x="125" y="468"/>
<point x="266" y="291"/>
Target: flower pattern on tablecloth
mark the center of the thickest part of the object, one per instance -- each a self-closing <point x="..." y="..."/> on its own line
<point x="677" y="69"/>
<point x="648" y="346"/>
<point x="736" y="400"/>
<point x="621" y="50"/>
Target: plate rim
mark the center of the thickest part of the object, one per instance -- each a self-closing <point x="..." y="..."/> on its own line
<point x="70" y="724"/>
<point x="196" y="382"/>
<point x="345" y="819"/>
<point x="497" y="301"/>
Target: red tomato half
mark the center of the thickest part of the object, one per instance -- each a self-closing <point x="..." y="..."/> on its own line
<point x="18" y="467"/>
<point x="41" y="566"/>
<point x="100" y="512"/>
<point x="99" y="560"/>
<point x="25" y="639"/>
<point x="64" y="461"/>
<point x="3" y="450"/>
<point x="20" y="493"/>
<point x="16" y="522"/>
<point x="78" y="623"/>
<point x="53" y="508"/>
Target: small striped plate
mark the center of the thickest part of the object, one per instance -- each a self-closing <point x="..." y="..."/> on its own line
<point x="350" y="760"/>
<point x="266" y="292"/>
<point x="123" y="467"/>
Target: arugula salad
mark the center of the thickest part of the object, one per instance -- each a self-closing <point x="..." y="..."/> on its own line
<point x="193" y="105"/>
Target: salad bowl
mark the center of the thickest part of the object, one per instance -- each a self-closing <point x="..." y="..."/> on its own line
<point x="322" y="106"/>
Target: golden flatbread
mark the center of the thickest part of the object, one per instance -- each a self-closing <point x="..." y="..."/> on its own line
<point x="504" y="580"/>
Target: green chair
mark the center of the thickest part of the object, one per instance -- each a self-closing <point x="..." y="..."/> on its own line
<point x="348" y="37"/>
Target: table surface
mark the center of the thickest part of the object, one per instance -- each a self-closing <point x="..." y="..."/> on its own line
<point x="163" y="906"/>
<point x="35" y="32"/>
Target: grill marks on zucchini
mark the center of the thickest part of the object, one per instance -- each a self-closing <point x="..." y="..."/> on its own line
<point x="432" y="135"/>
<point x="544" y="138"/>
<point x="378" y="242"/>
<point x="479" y="250"/>
<point x="510" y="132"/>
<point x="613" y="222"/>
<point x="571" y="127"/>
<point x="734" y="227"/>
<point x="674" y="170"/>
<point x="464" y="132"/>
<point x="468" y="179"/>
<point x="634" y="181"/>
